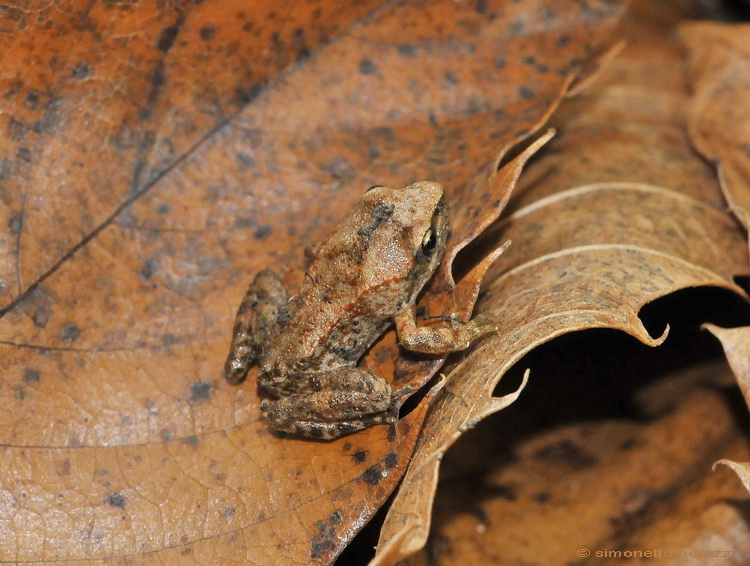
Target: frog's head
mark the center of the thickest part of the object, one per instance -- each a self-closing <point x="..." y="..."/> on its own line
<point x="407" y="234"/>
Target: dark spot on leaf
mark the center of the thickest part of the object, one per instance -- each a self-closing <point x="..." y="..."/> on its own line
<point x="243" y="95"/>
<point x="325" y="529"/>
<point x="499" y="62"/>
<point x="31" y="375"/>
<point x="5" y="168"/>
<point x="165" y="434"/>
<point x="51" y="118"/>
<point x="481" y="7"/>
<point x="516" y="28"/>
<point x="565" y="451"/>
<point x="16" y="132"/>
<point x="40" y="317"/>
<point x="406" y="50"/>
<point x="164" y="208"/>
<point x="70" y="332"/>
<point x="148" y="268"/>
<point x="228" y="512"/>
<point x="158" y="79"/>
<point x="300" y="44"/>
<point x="191" y="440"/>
<point x="200" y="390"/>
<point x="335" y="518"/>
<point x="529" y="60"/>
<point x="541" y="497"/>
<point x="392" y="433"/>
<point x="13" y="89"/>
<point x="372" y="475"/>
<point x="360" y="456"/>
<point x="244" y="222"/>
<point x="116" y="500"/>
<point x="339" y="168"/>
<point x="262" y="231"/>
<point x="481" y="515"/>
<point x="15" y="224"/>
<point x="19" y="393"/>
<point x="501" y="491"/>
<point x="373" y="152"/>
<point x="450" y="78"/>
<point x="346" y="447"/>
<point x="31" y="100"/>
<point x="563" y="40"/>
<point x="167" y="37"/>
<point x="367" y="67"/>
<point x="321" y="548"/>
<point x="207" y="32"/>
<point x="391" y="460"/>
<point x="245" y="160"/>
<point x="81" y="70"/>
<point x="386" y="134"/>
<point x="525" y="93"/>
<point x="169" y="339"/>
<point x="24" y="154"/>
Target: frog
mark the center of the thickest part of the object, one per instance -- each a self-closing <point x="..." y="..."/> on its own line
<point x="361" y="279"/>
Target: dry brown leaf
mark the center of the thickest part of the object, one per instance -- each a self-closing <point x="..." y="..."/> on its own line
<point x="736" y="344"/>
<point x="568" y="276"/>
<point x="719" y="123"/>
<point x="147" y="174"/>
<point x="635" y="483"/>
<point x="586" y="254"/>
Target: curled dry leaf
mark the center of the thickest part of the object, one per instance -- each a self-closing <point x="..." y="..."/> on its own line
<point x="562" y="277"/>
<point x="742" y="469"/>
<point x="719" y="127"/>
<point x="736" y="344"/>
<point x="585" y="256"/>
<point x="139" y="198"/>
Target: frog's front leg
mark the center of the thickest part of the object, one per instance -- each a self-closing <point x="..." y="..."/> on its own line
<point x="440" y="340"/>
<point x="330" y="404"/>
<point x="258" y="313"/>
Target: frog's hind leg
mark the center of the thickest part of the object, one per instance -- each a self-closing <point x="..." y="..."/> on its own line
<point x="331" y="404"/>
<point x="255" y="318"/>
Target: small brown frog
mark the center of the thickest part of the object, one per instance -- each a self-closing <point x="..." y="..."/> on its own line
<point x="362" y="278"/>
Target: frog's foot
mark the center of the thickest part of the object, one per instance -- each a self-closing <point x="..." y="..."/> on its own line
<point x="340" y="402"/>
<point x="441" y="340"/>
<point x="331" y="430"/>
<point x="258" y="312"/>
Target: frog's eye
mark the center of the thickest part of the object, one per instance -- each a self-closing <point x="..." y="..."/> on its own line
<point x="374" y="187"/>
<point x="429" y="241"/>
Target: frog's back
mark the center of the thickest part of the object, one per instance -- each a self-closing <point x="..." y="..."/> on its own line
<point x="329" y="323"/>
<point x="367" y="271"/>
